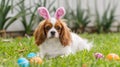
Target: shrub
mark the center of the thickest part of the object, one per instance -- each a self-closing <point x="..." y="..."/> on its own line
<point x="104" y="22"/>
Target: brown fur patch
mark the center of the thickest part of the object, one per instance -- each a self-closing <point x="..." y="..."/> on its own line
<point x="40" y="33"/>
<point x="65" y="36"/>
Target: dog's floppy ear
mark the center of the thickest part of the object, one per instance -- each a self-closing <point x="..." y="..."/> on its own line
<point x="60" y="12"/>
<point x="65" y="37"/>
<point x="39" y="34"/>
<point x="44" y="12"/>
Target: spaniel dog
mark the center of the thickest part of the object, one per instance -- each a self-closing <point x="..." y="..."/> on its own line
<point x="54" y="38"/>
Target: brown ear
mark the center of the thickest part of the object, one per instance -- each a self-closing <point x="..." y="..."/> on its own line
<point x="65" y="36"/>
<point x="39" y="34"/>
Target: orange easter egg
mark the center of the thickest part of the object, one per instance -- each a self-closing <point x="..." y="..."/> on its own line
<point x="36" y="60"/>
<point x="113" y="56"/>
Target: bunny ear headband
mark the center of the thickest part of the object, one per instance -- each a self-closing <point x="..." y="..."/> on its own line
<point x="60" y="12"/>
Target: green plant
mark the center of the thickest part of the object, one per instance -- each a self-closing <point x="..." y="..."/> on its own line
<point x="104" y="22"/>
<point x="25" y="12"/>
<point x="80" y="17"/>
<point x="5" y="8"/>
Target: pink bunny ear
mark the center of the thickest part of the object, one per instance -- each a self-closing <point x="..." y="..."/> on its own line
<point x="60" y="12"/>
<point x="44" y="12"/>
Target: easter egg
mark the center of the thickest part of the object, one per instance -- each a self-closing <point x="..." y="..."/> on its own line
<point x="37" y="60"/>
<point x="22" y="62"/>
<point x="31" y="55"/>
<point x="98" y="55"/>
<point x="112" y="56"/>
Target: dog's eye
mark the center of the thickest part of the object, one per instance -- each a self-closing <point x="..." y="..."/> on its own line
<point x="47" y="27"/>
<point x="58" y="28"/>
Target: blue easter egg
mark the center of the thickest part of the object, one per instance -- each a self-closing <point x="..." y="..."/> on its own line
<point x="31" y="55"/>
<point x="22" y="62"/>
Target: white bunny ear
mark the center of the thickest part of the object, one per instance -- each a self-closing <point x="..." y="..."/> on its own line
<point x="60" y="12"/>
<point x="44" y="12"/>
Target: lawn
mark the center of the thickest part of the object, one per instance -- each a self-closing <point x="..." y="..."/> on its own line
<point x="103" y="43"/>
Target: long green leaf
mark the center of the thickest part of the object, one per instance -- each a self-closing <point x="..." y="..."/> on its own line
<point x="51" y="4"/>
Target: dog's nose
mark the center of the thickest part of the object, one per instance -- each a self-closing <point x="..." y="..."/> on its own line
<point x="53" y="32"/>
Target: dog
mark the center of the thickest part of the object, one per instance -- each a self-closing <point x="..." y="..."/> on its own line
<point x="54" y="38"/>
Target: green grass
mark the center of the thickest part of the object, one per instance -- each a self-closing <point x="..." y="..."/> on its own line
<point x="104" y="43"/>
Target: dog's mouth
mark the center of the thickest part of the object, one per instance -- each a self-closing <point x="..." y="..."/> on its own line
<point x="52" y="37"/>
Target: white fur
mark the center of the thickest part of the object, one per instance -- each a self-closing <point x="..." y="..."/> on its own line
<point x="53" y="21"/>
<point x="52" y="47"/>
<point x="49" y="33"/>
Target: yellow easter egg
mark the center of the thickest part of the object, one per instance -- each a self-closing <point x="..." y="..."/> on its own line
<point x="37" y="60"/>
<point x="113" y="56"/>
